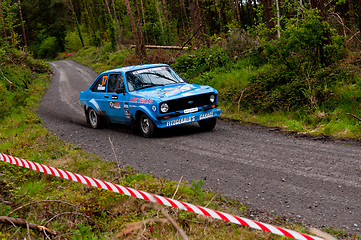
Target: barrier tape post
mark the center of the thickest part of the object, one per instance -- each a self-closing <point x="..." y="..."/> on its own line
<point x="156" y="198"/>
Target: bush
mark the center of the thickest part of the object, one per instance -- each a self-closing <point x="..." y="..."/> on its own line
<point x="306" y="44"/>
<point x="49" y="48"/>
<point x="25" y="74"/>
<point x="73" y="42"/>
<point x="202" y="60"/>
<point x="240" y="41"/>
<point x="302" y="64"/>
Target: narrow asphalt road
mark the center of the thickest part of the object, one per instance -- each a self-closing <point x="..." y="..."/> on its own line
<point x="315" y="181"/>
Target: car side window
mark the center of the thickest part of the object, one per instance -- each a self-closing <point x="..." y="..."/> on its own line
<point x="115" y="83"/>
<point x="100" y="85"/>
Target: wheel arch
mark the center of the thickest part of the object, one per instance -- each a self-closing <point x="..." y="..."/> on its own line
<point x="146" y="111"/>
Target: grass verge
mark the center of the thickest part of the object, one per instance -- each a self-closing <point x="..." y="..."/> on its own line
<point x="76" y="211"/>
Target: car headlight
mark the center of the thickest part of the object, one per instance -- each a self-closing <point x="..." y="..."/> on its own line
<point x="212" y="98"/>
<point x="164" y="107"/>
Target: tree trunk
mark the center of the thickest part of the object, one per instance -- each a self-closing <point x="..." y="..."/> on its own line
<point x="2" y="21"/>
<point x="134" y="30"/>
<point x="160" y="21"/>
<point x="107" y="7"/>
<point x="111" y="27"/>
<point x="22" y="24"/>
<point x="268" y="14"/>
<point x="184" y="16"/>
<point x="243" y="20"/>
<point x="231" y="2"/>
<point x="183" y="7"/>
<point x="13" y="42"/>
<point x="238" y="12"/>
<point x="144" y="23"/>
<point x="222" y="14"/>
<point x="76" y="23"/>
<point x="198" y="25"/>
<point x="116" y="24"/>
<point x="166" y="19"/>
<point x="320" y="5"/>
<point x="140" y="33"/>
<point x="359" y="15"/>
<point x="278" y="20"/>
<point x="251" y="11"/>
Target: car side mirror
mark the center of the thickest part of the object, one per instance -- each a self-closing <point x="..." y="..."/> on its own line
<point x="120" y="90"/>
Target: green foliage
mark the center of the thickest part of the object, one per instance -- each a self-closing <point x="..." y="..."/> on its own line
<point x="297" y="77"/>
<point x="48" y="48"/>
<point x="8" y="22"/>
<point x="239" y="41"/>
<point x="305" y="44"/>
<point x="202" y="60"/>
<point x="197" y="187"/>
<point x="21" y="76"/>
<point x="73" y="41"/>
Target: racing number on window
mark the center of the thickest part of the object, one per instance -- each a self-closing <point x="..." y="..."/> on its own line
<point x="104" y="81"/>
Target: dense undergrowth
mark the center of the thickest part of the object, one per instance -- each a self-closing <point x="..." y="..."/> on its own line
<point x="305" y="81"/>
<point x="75" y="211"/>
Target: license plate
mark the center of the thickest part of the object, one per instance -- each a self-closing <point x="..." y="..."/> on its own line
<point x="191" y="110"/>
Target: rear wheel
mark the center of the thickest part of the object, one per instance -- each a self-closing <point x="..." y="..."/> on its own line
<point x="94" y="119"/>
<point x="208" y="124"/>
<point x="147" y="126"/>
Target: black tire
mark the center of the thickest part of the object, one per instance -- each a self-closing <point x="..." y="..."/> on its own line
<point x="208" y="124"/>
<point x="146" y="126"/>
<point x="86" y="116"/>
<point x="93" y="118"/>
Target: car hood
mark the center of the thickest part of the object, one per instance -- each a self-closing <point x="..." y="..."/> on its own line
<point x="175" y="91"/>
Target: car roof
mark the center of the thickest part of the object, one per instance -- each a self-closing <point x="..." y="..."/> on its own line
<point x="133" y="68"/>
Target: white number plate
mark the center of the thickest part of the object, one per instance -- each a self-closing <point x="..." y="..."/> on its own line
<point x="190" y="110"/>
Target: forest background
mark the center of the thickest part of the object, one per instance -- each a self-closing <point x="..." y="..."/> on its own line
<point x="290" y="65"/>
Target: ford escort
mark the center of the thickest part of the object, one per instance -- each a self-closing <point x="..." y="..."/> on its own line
<point x="149" y="96"/>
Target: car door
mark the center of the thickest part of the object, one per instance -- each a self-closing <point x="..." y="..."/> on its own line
<point x="116" y="98"/>
<point x="98" y="96"/>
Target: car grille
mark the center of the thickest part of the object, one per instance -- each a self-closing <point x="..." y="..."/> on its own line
<point x="189" y="102"/>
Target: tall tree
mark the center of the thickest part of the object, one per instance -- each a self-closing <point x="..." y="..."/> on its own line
<point x="116" y="23"/>
<point x="251" y="11"/>
<point x="22" y="24"/>
<point x="166" y="19"/>
<point x="358" y="2"/>
<point x="76" y="23"/>
<point x="198" y="25"/>
<point x="138" y="47"/>
<point x="268" y="14"/>
<point x="2" y="21"/>
<point x="160" y="20"/>
<point x="238" y="12"/>
<point x="140" y="32"/>
<point x="111" y="26"/>
<point x="144" y="21"/>
<point x="320" y="5"/>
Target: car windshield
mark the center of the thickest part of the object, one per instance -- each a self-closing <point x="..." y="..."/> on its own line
<point x="150" y="77"/>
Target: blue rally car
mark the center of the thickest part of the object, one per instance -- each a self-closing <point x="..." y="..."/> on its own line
<point x="151" y="96"/>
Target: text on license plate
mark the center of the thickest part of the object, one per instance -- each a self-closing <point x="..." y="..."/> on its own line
<point x="191" y="110"/>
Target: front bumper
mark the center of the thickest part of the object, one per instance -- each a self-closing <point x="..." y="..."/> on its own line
<point x="178" y="118"/>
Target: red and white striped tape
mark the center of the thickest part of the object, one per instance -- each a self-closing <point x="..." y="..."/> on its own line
<point x="156" y="198"/>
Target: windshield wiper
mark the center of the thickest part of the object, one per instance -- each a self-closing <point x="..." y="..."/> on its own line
<point x="150" y="85"/>
<point x="162" y="76"/>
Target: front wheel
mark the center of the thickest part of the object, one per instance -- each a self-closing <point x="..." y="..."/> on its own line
<point x="208" y="124"/>
<point x="147" y="126"/>
<point x="93" y="118"/>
